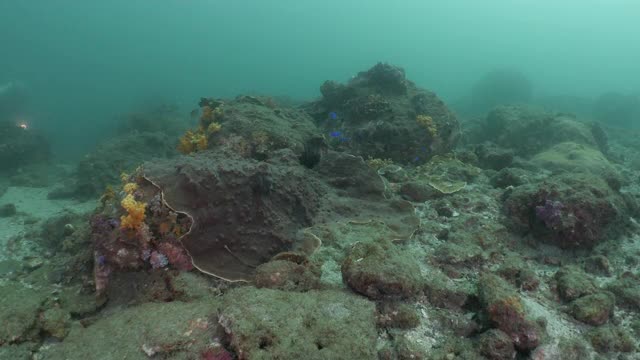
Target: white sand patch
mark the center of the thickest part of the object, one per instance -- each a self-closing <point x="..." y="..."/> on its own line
<point x="33" y="207"/>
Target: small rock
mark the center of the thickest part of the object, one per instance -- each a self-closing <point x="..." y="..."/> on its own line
<point x="32" y="264"/>
<point x="593" y="309"/>
<point x="8" y="210"/>
<point x="69" y="229"/>
<point x="598" y="265"/>
<point x="381" y="271"/>
<point x="55" y="322"/>
<point x="573" y="283"/>
<point x="495" y="344"/>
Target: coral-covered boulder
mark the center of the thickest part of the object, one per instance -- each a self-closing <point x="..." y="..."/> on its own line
<point x="569" y="210"/>
<point x="381" y="114"/>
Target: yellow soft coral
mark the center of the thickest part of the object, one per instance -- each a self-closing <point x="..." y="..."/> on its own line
<point x="427" y="122"/>
<point x="210" y="115"/>
<point x="135" y="213"/>
<point x="213" y="128"/>
<point x="193" y="141"/>
<point x="129" y="188"/>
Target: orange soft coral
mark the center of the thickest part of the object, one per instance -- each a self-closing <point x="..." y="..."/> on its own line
<point x="135" y="213"/>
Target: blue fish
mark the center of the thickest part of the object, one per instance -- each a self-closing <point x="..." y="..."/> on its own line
<point x="335" y="133"/>
<point x="333" y="115"/>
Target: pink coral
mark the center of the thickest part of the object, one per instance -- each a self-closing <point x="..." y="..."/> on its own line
<point x="158" y="260"/>
<point x="177" y="256"/>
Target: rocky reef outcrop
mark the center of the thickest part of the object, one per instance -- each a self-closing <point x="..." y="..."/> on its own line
<point x="232" y="214"/>
<point x="381" y="114"/>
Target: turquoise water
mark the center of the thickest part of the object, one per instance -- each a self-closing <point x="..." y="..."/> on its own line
<point x="86" y="62"/>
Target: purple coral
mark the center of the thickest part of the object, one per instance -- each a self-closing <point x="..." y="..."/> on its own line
<point x="158" y="260"/>
<point x="550" y="213"/>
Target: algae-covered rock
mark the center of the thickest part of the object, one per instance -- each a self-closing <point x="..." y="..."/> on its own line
<point x="627" y="291"/>
<point x="19" y="309"/>
<point x="569" y="157"/>
<point x="397" y="315"/>
<point x="593" y="309"/>
<point x="527" y="131"/>
<point x="443" y="292"/>
<point x="495" y="344"/>
<point x="22" y="351"/>
<point x="315" y="325"/>
<point x="379" y="270"/>
<point x="172" y="330"/>
<point x="505" y="311"/>
<point x="607" y="339"/>
<point x="565" y="349"/>
<point x="573" y="283"/>
<point x="55" y="322"/>
<point x="287" y="275"/>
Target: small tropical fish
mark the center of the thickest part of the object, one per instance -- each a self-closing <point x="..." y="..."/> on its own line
<point x="333" y="115"/>
<point x="335" y="134"/>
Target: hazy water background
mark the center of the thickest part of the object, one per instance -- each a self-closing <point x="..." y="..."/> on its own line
<point x="86" y="61"/>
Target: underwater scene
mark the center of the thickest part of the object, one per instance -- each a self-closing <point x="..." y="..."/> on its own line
<point x="320" y="180"/>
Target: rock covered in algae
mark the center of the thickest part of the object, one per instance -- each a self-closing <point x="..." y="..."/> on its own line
<point x="287" y="275"/>
<point x="505" y="311"/>
<point x="593" y="309"/>
<point x="173" y="330"/>
<point x="381" y="270"/>
<point x="19" y="309"/>
<point x="571" y="210"/>
<point x="273" y="324"/>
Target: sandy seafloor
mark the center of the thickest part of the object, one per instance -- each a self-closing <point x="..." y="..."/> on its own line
<point x="33" y="207"/>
